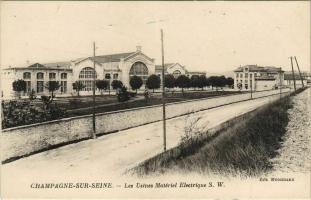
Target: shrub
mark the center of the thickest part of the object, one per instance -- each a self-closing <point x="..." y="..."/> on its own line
<point x="123" y="94"/>
<point x="116" y="84"/>
<point x="19" y="86"/>
<point x="18" y="113"/>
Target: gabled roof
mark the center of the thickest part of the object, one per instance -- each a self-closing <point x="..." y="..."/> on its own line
<point x="166" y="66"/>
<point x="36" y="65"/>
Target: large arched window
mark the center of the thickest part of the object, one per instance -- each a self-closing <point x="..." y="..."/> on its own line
<point x="176" y="73"/>
<point x="86" y="76"/>
<point x="139" y="69"/>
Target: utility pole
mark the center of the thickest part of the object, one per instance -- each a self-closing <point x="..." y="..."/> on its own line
<point x="251" y="90"/>
<point x="94" y="79"/>
<point x="299" y="72"/>
<point x="280" y="85"/>
<point x="294" y="79"/>
<point x="163" y="94"/>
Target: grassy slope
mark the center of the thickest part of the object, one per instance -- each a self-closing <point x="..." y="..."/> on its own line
<point x="243" y="149"/>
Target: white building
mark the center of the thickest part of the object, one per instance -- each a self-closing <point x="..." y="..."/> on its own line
<point x="110" y="67"/>
<point x="258" y="78"/>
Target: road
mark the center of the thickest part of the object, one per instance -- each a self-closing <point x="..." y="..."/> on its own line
<point x="111" y="155"/>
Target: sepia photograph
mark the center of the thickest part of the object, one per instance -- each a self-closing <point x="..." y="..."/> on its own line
<point x="155" y="99"/>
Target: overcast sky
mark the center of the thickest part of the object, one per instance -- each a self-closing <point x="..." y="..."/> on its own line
<point x="209" y="36"/>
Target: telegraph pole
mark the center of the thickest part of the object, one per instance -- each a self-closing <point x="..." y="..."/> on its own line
<point x="163" y="94"/>
<point x="294" y="79"/>
<point x="94" y="79"/>
<point x="251" y="90"/>
<point x="280" y="85"/>
<point x="299" y="72"/>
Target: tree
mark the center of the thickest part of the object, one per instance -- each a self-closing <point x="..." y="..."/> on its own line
<point x="169" y="81"/>
<point x="202" y="82"/>
<point x="153" y="82"/>
<point x="182" y="82"/>
<point x="102" y="85"/>
<point x="218" y="81"/>
<point x="116" y="84"/>
<point x="230" y="82"/>
<point x="52" y="86"/>
<point x="194" y="81"/>
<point x="78" y="86"/>
<point x="19" y="86"/>
<point x="222" y="82"/>
<point x="136" y="82"/>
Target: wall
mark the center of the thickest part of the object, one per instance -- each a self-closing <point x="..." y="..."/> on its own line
<point x="265" y="85"/>
<point x="20" y="141"/>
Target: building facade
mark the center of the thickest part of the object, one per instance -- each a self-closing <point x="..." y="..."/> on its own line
<point x="176" y="70"/>
<point x="257" y="78"/>
<point x="120" y="66"/>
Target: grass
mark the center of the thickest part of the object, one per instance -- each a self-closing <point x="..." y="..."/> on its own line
<point x="77" y="108"/>
<point x="244" y="149"/>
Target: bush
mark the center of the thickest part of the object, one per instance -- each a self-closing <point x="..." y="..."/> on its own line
<point x="18" y="113"/>
<point x="123" y="94"/>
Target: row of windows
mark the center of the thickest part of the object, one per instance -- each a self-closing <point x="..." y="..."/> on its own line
<point x="40" y="75"/>
<point x="108" y="76"/>
<point x="40" y="86"/>
<point x="246" y="75"/>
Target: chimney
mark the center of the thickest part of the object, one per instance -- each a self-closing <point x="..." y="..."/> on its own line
<point x="138" y="48"/>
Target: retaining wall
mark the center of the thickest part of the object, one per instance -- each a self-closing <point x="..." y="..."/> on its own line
<point x="24" y="140"/>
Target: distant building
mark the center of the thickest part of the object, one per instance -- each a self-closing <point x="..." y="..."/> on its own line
<point x="258" y="78"/>
<point x="176" y="69"/>
<point x="289" y="79"/>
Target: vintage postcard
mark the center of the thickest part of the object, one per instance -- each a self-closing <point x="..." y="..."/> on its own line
<point x="155" y="100"/>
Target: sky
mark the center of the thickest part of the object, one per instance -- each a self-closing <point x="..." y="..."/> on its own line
<point x="212" y="36"/>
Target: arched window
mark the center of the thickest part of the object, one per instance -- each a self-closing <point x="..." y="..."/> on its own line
<point x="176" y="73"/>
<point x="86" y="76"/>
<point x="40" y="75"/>
<point x="107" y="76"/>
<point x="139" y="69"/>
<point x="52" y="75"/>
<point x="63" y="75"/>
<point x="27" y="75"/>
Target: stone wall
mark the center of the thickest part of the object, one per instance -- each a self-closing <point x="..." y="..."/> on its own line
<point x="24" y="140"/>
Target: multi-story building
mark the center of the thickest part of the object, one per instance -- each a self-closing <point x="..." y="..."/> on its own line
<point x="256" y="78"/>
<point x="109" y="67"/>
